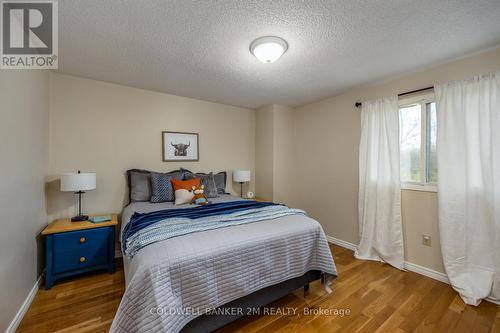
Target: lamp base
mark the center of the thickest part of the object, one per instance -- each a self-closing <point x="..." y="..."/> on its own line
<point x="79" y="218"/>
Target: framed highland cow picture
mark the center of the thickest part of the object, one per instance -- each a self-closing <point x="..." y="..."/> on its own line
<point x="180" y="146"/>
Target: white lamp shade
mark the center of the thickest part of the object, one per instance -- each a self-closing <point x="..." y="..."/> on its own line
<point x="78" y="181"/>
<point x="241" y="176"/>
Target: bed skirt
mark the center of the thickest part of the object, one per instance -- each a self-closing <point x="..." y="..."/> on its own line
<point x="209" y="323"/>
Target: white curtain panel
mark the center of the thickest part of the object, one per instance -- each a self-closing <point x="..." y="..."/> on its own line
<point x="468" y="150"/>
<point x="381" y="235"/>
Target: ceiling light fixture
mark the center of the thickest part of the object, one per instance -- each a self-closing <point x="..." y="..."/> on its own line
<point x="268" y="49"/>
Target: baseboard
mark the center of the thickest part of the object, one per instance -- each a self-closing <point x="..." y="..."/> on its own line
<point x="408" y="265"/>
<point x="342" y="243"/>
<point x="427" y="272"/>
<point x="14" y="324"/>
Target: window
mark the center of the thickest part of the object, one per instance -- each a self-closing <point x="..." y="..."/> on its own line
<point x="417" y="133"/>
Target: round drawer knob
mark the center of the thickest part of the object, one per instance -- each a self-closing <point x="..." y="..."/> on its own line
<point x="82" y="259"/>
<point x="82" y="240"/>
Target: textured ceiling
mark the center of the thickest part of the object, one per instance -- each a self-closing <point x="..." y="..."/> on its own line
<point x="199" y="49"/>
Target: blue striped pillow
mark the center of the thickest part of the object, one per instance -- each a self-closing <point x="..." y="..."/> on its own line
<point x="161" y="186"/>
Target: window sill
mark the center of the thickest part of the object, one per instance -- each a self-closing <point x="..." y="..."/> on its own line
<point x="419" y="187"/>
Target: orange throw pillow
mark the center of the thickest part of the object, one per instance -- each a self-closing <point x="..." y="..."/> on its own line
<point x="183" y="190"/>
<point x="186" y="184"/>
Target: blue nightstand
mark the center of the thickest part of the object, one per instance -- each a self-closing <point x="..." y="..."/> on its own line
<point x="73" y="248"/>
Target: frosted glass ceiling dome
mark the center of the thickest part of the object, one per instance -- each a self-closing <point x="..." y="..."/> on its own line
<point x="268" y="49"/>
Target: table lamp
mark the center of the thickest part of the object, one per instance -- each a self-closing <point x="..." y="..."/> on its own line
<point x="241" y="176"/>
<point x="78" y="183"/>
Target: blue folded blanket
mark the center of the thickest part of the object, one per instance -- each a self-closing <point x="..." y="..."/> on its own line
<point x="139" y="221"/>
<point x="147" y="228"/>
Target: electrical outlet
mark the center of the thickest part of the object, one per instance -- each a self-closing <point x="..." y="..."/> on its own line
<point x="426" y="240"/>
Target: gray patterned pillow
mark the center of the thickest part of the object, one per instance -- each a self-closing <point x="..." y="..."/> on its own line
<point x="161" y="186"/>
<point x="207" y="180"/>
<point x="220" y="182"/>
<point x="185" y="173"/>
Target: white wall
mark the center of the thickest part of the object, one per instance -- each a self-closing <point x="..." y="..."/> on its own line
<point x="24" y="144"/>
<point x="275" y="154"/>
<point x="327" y="137"/>
<point x="108" y="128"/>
<point x="284" y="156"/>
<point x="264" y="152"/>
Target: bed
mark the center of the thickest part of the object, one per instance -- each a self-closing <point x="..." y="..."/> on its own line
<point x="181" y="284"/>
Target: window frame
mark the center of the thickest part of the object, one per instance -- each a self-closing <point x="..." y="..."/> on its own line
<point x="423" y="100"/>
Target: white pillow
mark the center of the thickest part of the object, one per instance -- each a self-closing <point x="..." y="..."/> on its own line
<point x="183" y="196"/>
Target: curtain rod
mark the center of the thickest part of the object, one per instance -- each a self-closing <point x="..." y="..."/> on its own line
<point x="358" y="104"/>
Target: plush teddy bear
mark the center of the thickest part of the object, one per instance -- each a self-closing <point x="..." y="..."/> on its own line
<point x="199" y="197"/>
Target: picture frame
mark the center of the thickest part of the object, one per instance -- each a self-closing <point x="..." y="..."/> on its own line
<point x="180" y="146"/>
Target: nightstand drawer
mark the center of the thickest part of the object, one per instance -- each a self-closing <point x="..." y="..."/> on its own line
<point x="77" y="260"/>
<point x="80" y="240"/>
<point x="80" y="249"/>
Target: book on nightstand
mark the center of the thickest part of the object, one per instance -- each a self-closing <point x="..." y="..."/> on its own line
<point x="100" y="219"/>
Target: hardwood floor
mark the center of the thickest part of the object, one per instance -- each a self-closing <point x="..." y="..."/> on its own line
<point x="378" y="298"/>
<point x="81" y="304"/>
